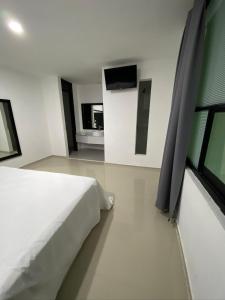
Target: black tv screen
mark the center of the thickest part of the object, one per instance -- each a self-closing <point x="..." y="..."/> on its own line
<point x="121" y="78"/>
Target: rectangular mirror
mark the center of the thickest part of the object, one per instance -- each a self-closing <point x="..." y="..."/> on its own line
<point x="92" y="116"/>
<point x="9" y="142"/>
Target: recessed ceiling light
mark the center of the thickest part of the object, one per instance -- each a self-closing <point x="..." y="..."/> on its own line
<point x="16" y="27"/>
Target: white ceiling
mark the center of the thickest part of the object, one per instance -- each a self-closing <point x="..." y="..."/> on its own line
<point x="74" y="38"/>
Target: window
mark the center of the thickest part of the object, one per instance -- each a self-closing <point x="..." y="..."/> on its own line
<point x="215" y="154"/>
<point x="199" y="125"/>
<point x="9" y="143"/>
<point x="206" y="154"/>
<point x="213" y="160"/>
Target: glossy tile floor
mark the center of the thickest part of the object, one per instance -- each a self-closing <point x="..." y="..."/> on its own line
<point x="133" y="253"/>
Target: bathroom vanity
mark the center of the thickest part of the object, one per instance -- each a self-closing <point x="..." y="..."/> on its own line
<point x="91" y="139"/>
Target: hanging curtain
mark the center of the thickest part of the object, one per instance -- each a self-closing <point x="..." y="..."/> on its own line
<point x="182" y="110"/>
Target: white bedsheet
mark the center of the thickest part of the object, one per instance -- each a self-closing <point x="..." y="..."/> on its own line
<point x="44" y="219"/>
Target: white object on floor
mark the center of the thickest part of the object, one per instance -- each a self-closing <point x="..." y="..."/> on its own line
<point x="44" y="219"/>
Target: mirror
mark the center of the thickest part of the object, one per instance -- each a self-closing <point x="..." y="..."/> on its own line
<point x="92" y="116"/>
<point x="9" y="143"/>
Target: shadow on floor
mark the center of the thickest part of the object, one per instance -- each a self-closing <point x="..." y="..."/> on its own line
<point x="87" y="259"/>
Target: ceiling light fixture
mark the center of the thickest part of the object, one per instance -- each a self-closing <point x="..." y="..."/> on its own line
<point x="16" y="27"/>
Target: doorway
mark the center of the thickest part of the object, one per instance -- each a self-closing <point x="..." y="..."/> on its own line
<point x="68" y="105"/>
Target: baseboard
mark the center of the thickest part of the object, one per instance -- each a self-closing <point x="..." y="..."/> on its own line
<point x="43" y="158"/>
<point x="130" y="165"/>
<point x="184" y="264"/>
<point x="87" y="160"/>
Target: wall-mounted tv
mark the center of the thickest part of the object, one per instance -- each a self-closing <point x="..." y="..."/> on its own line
<point x="121" y="78"/>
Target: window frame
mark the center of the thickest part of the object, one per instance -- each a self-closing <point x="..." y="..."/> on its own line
<point x="13" y="125"/>
<point x="214" y="186"/>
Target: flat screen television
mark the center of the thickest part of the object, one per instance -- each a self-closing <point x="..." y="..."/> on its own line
<point x="121" y="78"/>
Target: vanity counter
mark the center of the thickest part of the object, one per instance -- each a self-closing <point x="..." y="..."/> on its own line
<point x="91" y="137"/>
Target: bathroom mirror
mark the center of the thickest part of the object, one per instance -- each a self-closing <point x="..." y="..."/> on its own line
<point x="9" y="143"/>
<point x="92" y="116"/>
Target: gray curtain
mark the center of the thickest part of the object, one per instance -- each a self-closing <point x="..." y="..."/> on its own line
<point x="182" y="110"/>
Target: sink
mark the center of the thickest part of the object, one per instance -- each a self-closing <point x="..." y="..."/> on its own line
<point x="91" y="133"/>
<point x="97" y="133"/>
<point x="91" y="137"/>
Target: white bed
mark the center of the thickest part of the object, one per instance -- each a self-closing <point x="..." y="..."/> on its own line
<point x="44" y="219"/>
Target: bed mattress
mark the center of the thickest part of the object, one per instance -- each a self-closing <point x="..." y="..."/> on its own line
<point x="44" y="219"/>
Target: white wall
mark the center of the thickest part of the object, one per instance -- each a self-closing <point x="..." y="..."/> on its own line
<point x="85" y="93"/>
<point x="25" y="94"/>
<point x="120" y="114"/>
<point x="52" y="94"/>
<point x="202" y="231"/>
<point x="38" y="113"/>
